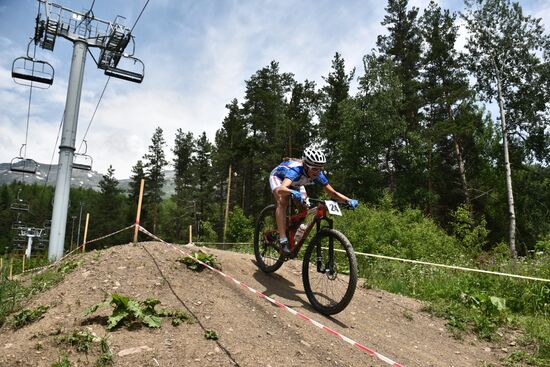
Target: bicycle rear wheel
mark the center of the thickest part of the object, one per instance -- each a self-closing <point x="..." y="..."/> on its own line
<point x="329" y="276"/>
<point x="266" y="245"/>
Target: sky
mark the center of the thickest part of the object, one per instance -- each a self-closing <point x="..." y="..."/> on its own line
<point x="197" y="55"/>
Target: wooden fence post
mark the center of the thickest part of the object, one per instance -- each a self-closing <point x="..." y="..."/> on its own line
<point x="138" y="214"/>
<point x="85" y="232"/>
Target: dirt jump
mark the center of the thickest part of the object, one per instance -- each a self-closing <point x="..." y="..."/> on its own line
<point x="250" y="330"/>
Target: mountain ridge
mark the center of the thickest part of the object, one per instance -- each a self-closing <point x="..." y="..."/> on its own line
<point x="47" y="174"/>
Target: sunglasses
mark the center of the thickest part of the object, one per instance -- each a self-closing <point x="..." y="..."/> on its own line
<point x="314" y="168"/>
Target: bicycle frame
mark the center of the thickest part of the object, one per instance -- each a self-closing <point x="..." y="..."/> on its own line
<point x="294" y="221"/>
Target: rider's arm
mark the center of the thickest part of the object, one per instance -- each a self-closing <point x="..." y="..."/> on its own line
<point x="285" y="186"/>
<point x="335" y="195"/>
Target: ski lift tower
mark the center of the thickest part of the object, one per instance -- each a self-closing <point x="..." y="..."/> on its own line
<point x="85" y="31"/>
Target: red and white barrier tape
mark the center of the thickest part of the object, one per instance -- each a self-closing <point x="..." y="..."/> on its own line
<point x="110" y="234"/>
<point x="369" y="351"/>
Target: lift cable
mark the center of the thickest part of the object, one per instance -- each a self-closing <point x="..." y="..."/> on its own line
<point x="28" y="115"/>
<point x="54" y="150"/>
<point x="139" y="16"/>
<point x="93" y="115"/>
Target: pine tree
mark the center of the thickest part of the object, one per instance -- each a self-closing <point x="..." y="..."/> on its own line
<point x="202" y="172"/>
<point x="403" y="46"/>
<point x="264" y="110"/>
<point x="447" y="99"/>
<point x="183" y="149"/>
<point x="333" y="93"/>
<point x="110" y="208"/>
<point x="154" y="176"/>
<point x="138" y="173"/>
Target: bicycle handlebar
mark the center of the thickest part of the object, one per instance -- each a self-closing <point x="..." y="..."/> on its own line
<point x="344" y="204"/>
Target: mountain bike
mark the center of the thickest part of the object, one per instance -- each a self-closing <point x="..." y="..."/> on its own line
<point x="329" y="268"/>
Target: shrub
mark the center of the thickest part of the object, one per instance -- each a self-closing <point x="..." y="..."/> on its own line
<point x="240" y="228"/>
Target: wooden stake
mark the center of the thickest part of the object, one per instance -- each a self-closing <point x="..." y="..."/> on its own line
<point x="85" y="232"/>
<point x="138" y="214"/>
<point x="190" y="233"/>
<point x="11" y="269"/>
<point x="1" y="263"/>
<point x="227" y="203"/>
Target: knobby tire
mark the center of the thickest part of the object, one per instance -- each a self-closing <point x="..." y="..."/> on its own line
<point x="330" y="294"/>
<point x="268" y="258"/>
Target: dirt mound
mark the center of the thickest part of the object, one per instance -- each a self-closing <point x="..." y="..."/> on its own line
<point x="251" y="331"/>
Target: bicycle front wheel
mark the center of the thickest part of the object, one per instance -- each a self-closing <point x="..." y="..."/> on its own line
<point x="329" y="271"/>
<point x="266" y="245"/>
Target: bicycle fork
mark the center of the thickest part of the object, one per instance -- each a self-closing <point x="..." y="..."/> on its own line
<point x="327" y="268"/>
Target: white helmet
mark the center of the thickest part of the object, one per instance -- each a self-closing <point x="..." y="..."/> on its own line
<point x="314" y="157"/>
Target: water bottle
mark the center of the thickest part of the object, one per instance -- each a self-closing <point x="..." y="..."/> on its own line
<point x="300" y="233"/>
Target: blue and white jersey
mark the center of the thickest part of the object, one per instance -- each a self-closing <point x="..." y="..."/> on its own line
<point x="295" y="171"/>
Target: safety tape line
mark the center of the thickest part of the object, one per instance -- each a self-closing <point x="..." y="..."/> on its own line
<point x="111" y="234"/>
<point x="223" y="243"/>
<point x="42" y="268"/>
<point x="451" y="267"/>
<point x="409" y="261"/>
<point x="369" y="351"/>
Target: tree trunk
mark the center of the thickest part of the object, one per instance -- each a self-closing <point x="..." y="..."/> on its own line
<point x="508" y="169"/>
<point x="461" y="167"/>
<point x="227" y="203"/>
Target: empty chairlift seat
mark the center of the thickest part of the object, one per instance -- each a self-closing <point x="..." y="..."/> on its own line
<point x="82" y="162"/>
<point x="23" y="165"/>
<point x="30" y="72"/>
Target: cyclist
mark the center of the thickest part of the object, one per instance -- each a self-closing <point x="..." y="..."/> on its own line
<point x="289" y="179"/>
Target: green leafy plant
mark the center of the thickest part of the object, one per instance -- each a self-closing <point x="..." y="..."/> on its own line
<point x="28" y="316"/>
<point x="81" y="340"/>
<point x="211" y="335"/>
<point x="106" y="356"/>
<point x="177" y="316"/>
<point x="127" y="311"/>
<point x="191" y="263"/>
<point x="63" y="361"/>
<point x="68" y="267"/>
<point x="491" y="313"/>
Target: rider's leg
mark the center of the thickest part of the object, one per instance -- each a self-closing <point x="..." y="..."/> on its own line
<point x="281" y="198"/>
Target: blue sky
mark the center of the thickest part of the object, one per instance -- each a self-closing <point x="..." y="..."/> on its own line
<point x="197" y="55"/>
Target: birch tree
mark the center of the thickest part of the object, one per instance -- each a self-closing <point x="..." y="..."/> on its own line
<point x="504" y="48"/>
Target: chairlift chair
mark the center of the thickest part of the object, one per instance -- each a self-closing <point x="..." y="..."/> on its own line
<point x="19" y="205"/>
<point x="22" y="164"/>
<point x="32" y="73"/>
<point x="83" y="161"/>
<point x="133" y="70"/>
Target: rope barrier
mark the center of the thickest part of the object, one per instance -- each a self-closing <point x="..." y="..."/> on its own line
<point x="407" y="260"/>
<point x="223" y="243"/>
<point x="362" y="347"/>
<point x="451" y="266"/>
<point x="55" y="263"/>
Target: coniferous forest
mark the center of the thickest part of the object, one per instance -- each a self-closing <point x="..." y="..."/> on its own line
<point x="434" y="127"/>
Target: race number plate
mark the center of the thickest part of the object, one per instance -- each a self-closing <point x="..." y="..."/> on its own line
<point x="333" y="207"/>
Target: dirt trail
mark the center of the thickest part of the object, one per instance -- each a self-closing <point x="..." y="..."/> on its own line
<point x="252" y="331"/>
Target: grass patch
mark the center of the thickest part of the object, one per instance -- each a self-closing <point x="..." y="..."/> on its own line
<point x="14" y="292"/>
<point x="81" y="340"/>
